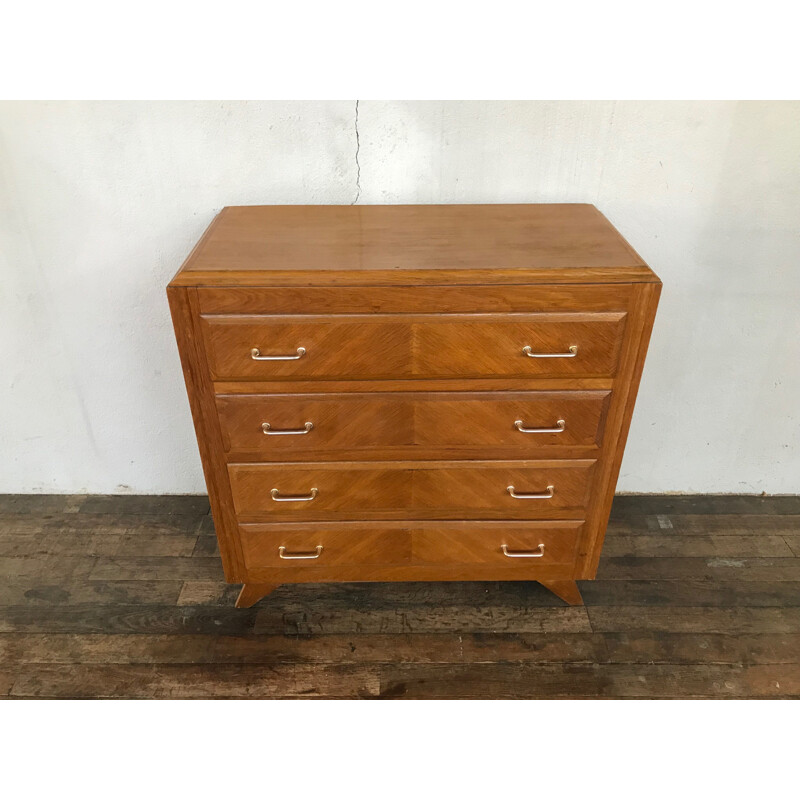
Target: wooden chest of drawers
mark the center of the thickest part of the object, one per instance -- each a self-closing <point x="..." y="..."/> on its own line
<point x="412" y="392"/>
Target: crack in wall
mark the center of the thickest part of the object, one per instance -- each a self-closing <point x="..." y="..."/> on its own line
<point x="358" y="165"/>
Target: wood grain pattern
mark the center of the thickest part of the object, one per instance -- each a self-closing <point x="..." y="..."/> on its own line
<point x="251" y="593"/>
<point x="412" y="375"/>
<point x="187" y="681"/>
<point x="484" y="545"/>
<point x="636" y="506"/>
<point x="568" y="591"/>
<point x="317" y="240"/>
<point x="682" y="568"/>
<point x="654" y="625"/>
<point x="396" y="543"/>
<point x="182" y="303"/>
<point x="406" y="425"/>
<point x="325" y="544"/>
<point x="414" y="299"/>
<point x="456" y="278"/>
<point x="696" y="620"/>
<point x="413" y="346"/>
<point x="712" y="545"/>
<point x="520" y="570"/>
<point x="414" y="385"/>
<point x="512" y="681"/>
<point x="558" y="648"/>
<point x="642" y="316"/>
<point x="410" y="490"/>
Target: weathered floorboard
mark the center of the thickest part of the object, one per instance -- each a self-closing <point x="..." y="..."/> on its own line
<point x="513" y="681"/>
<point x="627" y="568"/>
<point x="42" y="592"/>
<point x="146" y="504"/>
<point x="154" y="568"/>
<point x="99" y="544"/>
<point x="660" y="545"/>
<point x="704" y="524"/>
<point x="194" y="681"/>
<point x="125" y="597"/>
<point x="296" y="619"/>
<point x="636" y="647"/>
<point x="177" y="620"/>
<point x="691" y="593"/>
<point x="41" y="503"/>
<point x="64" y="523"/>
<point x="650" y="504"/>
<point x="695" y="620"/>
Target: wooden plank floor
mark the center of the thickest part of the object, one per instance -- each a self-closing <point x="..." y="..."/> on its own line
<point x="124" y="597"/>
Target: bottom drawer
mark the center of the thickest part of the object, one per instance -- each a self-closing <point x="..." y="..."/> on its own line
<point x="322" y="544"/>
<point x="497" y="543"/>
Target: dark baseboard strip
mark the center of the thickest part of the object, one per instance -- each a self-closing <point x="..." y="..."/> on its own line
<point x="625" y="506"/>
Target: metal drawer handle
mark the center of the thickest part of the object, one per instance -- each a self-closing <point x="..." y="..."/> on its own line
<point x="293" y="498"/>
<point x="537" y="553"/>
<point x="529" y="495"/>
<point x="255" y="354"/>
<point x="265" y="427"/>
<point x="560" y="426"/>
<point x="572" y="351"/>
<point x="282" y="553"/>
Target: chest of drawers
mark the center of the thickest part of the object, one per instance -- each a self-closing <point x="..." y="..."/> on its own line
<point x="412" y="393"/>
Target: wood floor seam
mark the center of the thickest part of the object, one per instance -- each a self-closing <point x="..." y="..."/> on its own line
<point x="107" y="599"/>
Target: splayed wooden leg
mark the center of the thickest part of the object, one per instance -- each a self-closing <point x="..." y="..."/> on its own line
<point x="252" y="592"/>
<point x="567" y="590"/>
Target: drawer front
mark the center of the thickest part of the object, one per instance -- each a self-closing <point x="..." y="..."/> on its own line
<point x="320" y="544"/>
<point x="285" y="426"/>
<point x="413" y="346"/>
<point x="411" y="490"/>
<point x="524" y="298"/>
<point x="313" y="545"/>
<point x="534" y="544"/>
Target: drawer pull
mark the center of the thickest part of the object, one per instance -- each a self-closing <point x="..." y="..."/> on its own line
<point x="560" y="426"/>
<point x="265" y="427"/>
<point x="292" y="498"/>
<point x="537" y="553"/>
<point x="282" y="553"/>
<point x="572" y="351"/>
<point x="528" y="495"/>
<point x="255" y="354"/>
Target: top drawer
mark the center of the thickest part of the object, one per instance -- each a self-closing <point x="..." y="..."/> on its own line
<point x="413" y="345"/>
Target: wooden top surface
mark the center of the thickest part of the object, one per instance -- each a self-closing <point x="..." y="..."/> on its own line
<point x="396" y="245"/>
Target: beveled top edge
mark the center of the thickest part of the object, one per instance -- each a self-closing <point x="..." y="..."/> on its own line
<point x="409" y="278"/>
<point x="411" y="244"/>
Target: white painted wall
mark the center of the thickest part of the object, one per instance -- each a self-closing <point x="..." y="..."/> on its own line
<point x="100" y="203"/>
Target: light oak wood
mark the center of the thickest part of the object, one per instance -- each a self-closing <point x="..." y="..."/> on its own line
<point x="518" y="571"/>
<point x="251" y="593"/>
<point x="644" y="306"/>
<point x="413" y="346"/>
<point x="353" y="425"/>
<point x="411" y="385"/>
<point x="415" y="299"/>
<point x="424" y="543"/>
<point x="411" y="489"/>
<point x="533" y="544"/>
<point x="413" y="320"/>
<point x="456" y="278"/>
<point x="374" y="245"/>
<point x="182" y="303"/>
<point x="344" y="544"/>
<point x="568" y="591"/>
